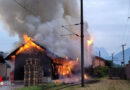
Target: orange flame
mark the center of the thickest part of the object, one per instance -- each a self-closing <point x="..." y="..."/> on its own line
<point x="90" y="42"/>
<point x="13" y="58"/>
<point x="28" y="44"/>
<point x="65" y="67"/>
<point x="85" y="76"/>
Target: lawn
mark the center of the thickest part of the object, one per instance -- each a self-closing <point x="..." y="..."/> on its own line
<point x="102" y="84"/>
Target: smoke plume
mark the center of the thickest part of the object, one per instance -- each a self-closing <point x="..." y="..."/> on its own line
<point x="49" y="22"/>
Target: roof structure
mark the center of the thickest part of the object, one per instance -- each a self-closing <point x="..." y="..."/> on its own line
<point x="48" y="53"/>
<point x="97" y="57"/>
<point x="2" y="59"/>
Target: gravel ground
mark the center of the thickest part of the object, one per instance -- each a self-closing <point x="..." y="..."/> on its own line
<point x="11" y="86"/>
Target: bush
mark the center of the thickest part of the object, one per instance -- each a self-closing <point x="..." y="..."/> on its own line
<point x="109" y="63"/>
<point x="100" y="71"/>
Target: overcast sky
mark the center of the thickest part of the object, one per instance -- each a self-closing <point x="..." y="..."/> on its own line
<point x="107" y="20"/>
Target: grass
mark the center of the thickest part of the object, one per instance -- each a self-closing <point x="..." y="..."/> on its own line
<point x="31" y="88"/>
<point x="103" y="84"/>
<point x="47" y="86"/>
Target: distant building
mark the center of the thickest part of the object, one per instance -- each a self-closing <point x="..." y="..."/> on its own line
<point x="98" y="61"/>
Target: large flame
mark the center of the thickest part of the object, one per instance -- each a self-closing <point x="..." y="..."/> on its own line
<point x="28" y="44"/>
<point x="65" y="67"/>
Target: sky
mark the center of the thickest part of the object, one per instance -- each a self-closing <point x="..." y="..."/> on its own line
<point x="7" y="42"/>
<point x="108" y="23"/>
<point x="107" y="20"/>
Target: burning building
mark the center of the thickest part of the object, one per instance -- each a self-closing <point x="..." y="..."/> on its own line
<point x="52" y="65"/>
<point x="54" y="24"/>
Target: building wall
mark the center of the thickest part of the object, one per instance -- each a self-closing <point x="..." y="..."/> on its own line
<point x="8" y="72"/>
<point x="128" y="71"/>
<point x="98" y="62"/>
<point x="3" y="69"/>
<point x="20" y="61"/>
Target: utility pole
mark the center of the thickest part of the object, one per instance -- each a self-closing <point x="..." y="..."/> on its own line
<point x="112" y="57"/>
<point x="82" y="45"/>
<point x="129" y="61"/>
<point x="123" y="54"/>
<point x="99" y="53"/>
<point x="99" y="56"/>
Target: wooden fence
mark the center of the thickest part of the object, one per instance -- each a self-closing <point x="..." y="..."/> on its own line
<point x="128" y="71"/>
<point x="122" y="72"/>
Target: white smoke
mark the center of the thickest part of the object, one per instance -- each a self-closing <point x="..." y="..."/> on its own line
<point x="43" y="21"/>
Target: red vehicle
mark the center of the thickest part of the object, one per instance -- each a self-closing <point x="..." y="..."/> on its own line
<point x="1" y="81"/>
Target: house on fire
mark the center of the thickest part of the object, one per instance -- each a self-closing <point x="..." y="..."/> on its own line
<point x="31" y="49"/>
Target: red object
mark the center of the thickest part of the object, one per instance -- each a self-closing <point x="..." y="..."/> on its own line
<point x="1" y="79"/>
<point x="12" y="76"/>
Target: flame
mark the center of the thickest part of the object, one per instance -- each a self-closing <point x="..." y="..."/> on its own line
<point x="77" y="59"/>
<point x="13" y="58"/>
<point x="28" y="44"/>
<point x="65" y="67"/>
<point x="85" y="76"/>
<point x="90" y="42"/>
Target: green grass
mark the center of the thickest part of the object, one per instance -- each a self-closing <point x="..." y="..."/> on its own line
<point x="31" y="88"/>
<point x="47" y="86"/>
<point x="103" y="84"/>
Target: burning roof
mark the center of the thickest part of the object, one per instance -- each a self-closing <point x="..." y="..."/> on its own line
<point x="28" y="44"/>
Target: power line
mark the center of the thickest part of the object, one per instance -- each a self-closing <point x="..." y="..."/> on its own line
<point x="127" y="20"/>
<point x="71" y="31"/>
<point x="24" y="7"/>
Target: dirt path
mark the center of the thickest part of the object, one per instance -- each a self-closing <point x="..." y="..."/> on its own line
<point x="104" y="84"/>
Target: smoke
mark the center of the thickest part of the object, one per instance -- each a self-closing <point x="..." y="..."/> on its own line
<point x="43" y="20"/>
